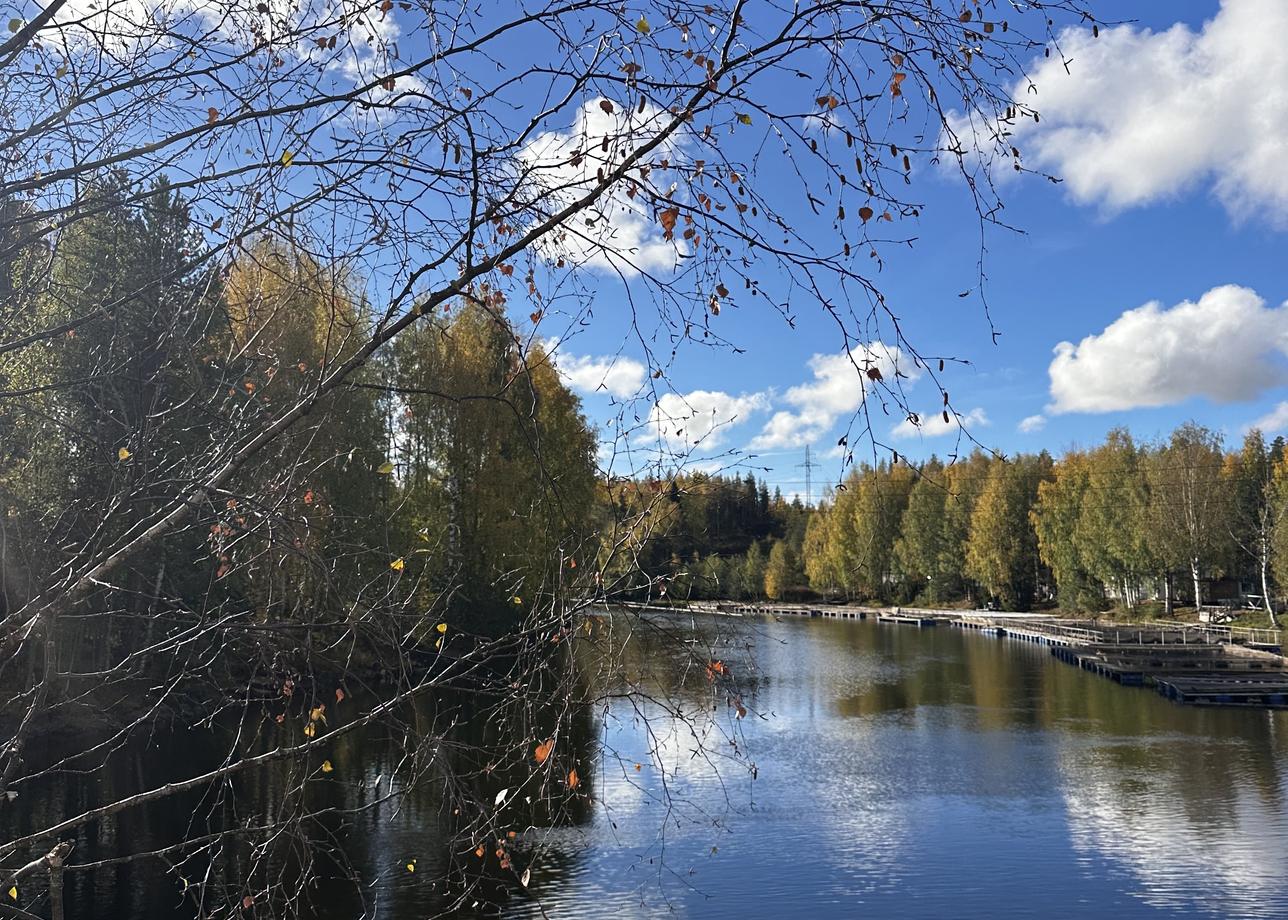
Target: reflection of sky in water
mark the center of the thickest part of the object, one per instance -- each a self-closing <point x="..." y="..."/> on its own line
<point x="931" y="774"/>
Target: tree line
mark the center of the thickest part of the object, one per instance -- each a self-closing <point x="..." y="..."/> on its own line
<point x="1122" y="524"/>
<point x="454" y="474"/>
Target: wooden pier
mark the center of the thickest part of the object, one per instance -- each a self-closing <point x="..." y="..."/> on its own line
<point x="1200" y="664"/>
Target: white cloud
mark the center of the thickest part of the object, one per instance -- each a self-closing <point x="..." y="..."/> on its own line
<point x="618" y="233"/>
<point x="840" y="382"/>
<point x="1031" y="424"/>
<point x="617" y="375"/>
<point x="932" y="424"/>
<point x="702" y="417"/>
<point x="1228" y="347"/>
<point x="1273" y="422"/>
<point x="1143" y="116"/>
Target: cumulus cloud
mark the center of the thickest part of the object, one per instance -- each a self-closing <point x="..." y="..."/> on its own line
<point x="838" y="388"/>
<point x="932" y="425"/>
<point x="1031" y="424"/>
<point x="1273" y="422"/>
<point x="618" y="233"/>
<point x="617" y="375"/>
<point x="1227" y="346"/>
<point x="702" y="417"/>
<point x="1142" y="116"/>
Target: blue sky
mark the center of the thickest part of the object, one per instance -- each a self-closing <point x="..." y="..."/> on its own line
<point x="1170" y="136"/>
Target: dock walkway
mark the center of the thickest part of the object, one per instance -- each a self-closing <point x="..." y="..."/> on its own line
<point x="1195" y="664"/>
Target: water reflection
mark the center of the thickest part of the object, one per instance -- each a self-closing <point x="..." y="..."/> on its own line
<point x="880" y="771"/>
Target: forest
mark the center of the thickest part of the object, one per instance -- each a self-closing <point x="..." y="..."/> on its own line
<point x="1123" y="524"/>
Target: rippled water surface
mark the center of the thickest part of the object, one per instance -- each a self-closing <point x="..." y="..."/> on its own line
<point x="898" y="773"/>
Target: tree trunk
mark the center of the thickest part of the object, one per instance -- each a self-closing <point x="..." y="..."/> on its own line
<point x="1198" y="590"/>
<point x="1167" y="593"/>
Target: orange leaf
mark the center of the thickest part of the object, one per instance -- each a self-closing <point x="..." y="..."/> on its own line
<point x="573" y="779"/>
<point x="542" y="753"/>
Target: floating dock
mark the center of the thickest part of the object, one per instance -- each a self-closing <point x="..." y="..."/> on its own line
<point x="1200" y="664"/>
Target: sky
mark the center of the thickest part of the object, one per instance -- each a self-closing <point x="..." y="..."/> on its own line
<point x="1147" y="288"/>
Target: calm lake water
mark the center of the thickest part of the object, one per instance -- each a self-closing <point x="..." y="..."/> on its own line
<point x="897" y="773"/>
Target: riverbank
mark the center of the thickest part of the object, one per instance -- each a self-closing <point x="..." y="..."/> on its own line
<point x="1198" y="664"/>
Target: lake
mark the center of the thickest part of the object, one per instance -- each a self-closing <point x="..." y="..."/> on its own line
<point x="880" y="771"/>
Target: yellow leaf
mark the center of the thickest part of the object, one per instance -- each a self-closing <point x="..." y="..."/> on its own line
<point x="122" y="454"/>
<point x="397" y="565"/>
<point x="310" y="730"/>
<point x="326" y="766"/>
<point x="385" y="468"/>
<point x="438" y="643"/>
<point x="287" y="157"/>
<point x="411" y="866"/>
<point x="61" y="72"/>
<point x="441" y="627"/>
<point x="744" y="118"/>
<point x="642" y="26"/>
<point x="517" y="599"/>
<point x="15" y="24"/>
<point x="13" y="892"/>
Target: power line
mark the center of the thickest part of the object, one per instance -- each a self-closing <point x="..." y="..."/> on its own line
<point x="809" y="465"/>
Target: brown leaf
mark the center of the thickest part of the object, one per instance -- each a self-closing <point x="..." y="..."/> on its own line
<point x="874" y="373"/>
<point x="606" y="105"/>
<point x="667" y="219"/>
<point x="212" y="115"/>
<point x="866" y="213"/>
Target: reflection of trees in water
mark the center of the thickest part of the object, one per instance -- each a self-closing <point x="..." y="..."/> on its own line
<point x="1189" y="814"/>
<point x="408" y="789"/>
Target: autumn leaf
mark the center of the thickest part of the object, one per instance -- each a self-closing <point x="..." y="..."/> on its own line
<point x="606" y="105"/>
<point x="385" y="468"/>
<point x="411" y="866"/>
<point x="542" y="753"/>
<point x="13" y="893"/>
<point x="442" y="628"/>
<point x="123" y="454"/>
<point x="865" y="213"/>
<point x="398" y="565"/>
<point x="326" y="766"/>
<point x="667" y="219"/>
<point x="15" y="24"/>
<point x="310" y="730"/>
<point x="339" y="695"/>
<point x="287" y="158"/>
<point x="212" y="115"/>
<point x="480" y="851"/>
<point x="642" y="26"/>
<point x="874" y="373"/>
<point x="573" y="779"/>
<point x="308" y="497"/>
<point x="744" y="118"/>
